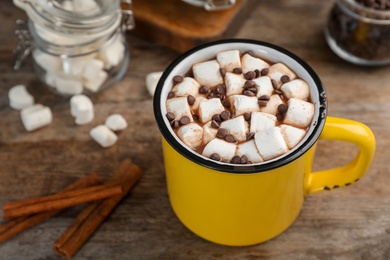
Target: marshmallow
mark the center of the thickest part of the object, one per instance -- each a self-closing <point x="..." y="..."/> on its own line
<point x="46" y="61"/>
<point x="209" y="133"/>
<point x="188" y="86"/>
<point x="278" y="70"/>
<point x="198" y="100"/>
<point x="85" y="5"/>
<point x="292" y="135"/>
<point x="296" y="88"/>
<point x="103" y="136"/>
<point x="272" y="105"/>
<point x="113" y="54"/>
<point x="75" y="66"/>
<point x="249" y="150"/>
<point x="299" y="113"/>
<point x="264" y="86"/>
<point x="81" y="108"/>
<point x="21" y="4"/>
<point x="92" y="68"/>
<point x="19" y="98"/>
<point x="229" y="60"/>
<point x="237" y="127"/>
<point x="207" y="73"/>
<point x="224" y="149"/>
<point x="152" y="80"/>
<point x="116" y="122"/>
<point x="234" y="83"/>
<point x="242" y="104"/>
<point x="250" y="63"/>
<point x="179" y="107"/>
<point x="68" y="86"/>
<point x="191" y="135"/>
<point x="36" y="116"/>
<point x="208" y="108"/>
<point x="96" y="83"/>
<point x="50" y="79"/>
<point x="261" y="121"/>
<point x="270" y="143"/>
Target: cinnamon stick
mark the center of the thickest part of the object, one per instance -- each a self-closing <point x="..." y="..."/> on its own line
<point x="15" y="226"/>
<point x="94" y="214"/>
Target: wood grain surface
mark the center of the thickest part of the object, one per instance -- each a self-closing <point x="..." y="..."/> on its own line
<point x="348" y="223"/>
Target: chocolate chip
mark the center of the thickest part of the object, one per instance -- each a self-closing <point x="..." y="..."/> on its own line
<point x="285" y="79"/>
<point x="264" y="71"/>
<point x="216" y="117"/>
<point x="250" y="136"/>
<point x="244" y="159"/>
<point x="248" y="93"/>
<point x="177" y="79"/>
<point x="279" y="92"/>
<point x="175" y="124"/>
<point x="222" y="71"/>
<point x="214" y="124"/>
<point x="237" y="71"/>
<point x="274" y="84"/>
<point x="253" y="89"/>
<point x="221" y="89"/>
<point x="262" y="103"/>
<point x="212" y="95"/>
<point x="280" y="117"/>
<point x="184" y="120"/>
<point x="282" y="108"/>
<point x="171" y="94"/>
<point x="203" y="90"/>
<point x="257" y="73"/>
<point x="215" y="157"/>
<point x="236" y="160"/>
<point x="230" y="139"/>
<point x="326" y="188"/>
<point x="225" y="115"/>
<point x="250" y="75"/>
<point x="264" y="97"/>
<point x="170" y="116"/>
<point x="195" y="117"/>
<point x="222" y="133"/>
<point x="249" y="84"/>
<point x="190" y="100"/>
<point x="226" y="104"/>
<point x="247" y="116"/>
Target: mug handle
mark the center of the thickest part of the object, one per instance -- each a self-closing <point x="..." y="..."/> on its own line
<point x="348" y="131"/>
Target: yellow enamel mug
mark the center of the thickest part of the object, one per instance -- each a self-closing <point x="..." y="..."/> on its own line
<point x="242" y="205"/>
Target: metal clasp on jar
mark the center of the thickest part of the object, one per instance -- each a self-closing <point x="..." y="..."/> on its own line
<point x="127" y="15"/>
<point x="24" y="44"/>
<point x="212" y="5"/>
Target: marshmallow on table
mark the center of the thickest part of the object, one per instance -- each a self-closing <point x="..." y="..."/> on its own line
<point x="116" y="122"/>
<point x="250" y="63"/>
<point x="270" y="143"/>
<point x="19" y="97"/>
<point x="296" y="88"/>
<point x="152" y="80"/>
<point x="208" y="108"/>
<point x="112" y="55"/>
<point x="36" y="116"/>
<point x="261" y="121"/>
<point x="264" y="86"/>
<point x="272" y="105"/>
<point x="81" y="108"/>
<point x="224" y="149"/>
<point x="243" y="104"/>
<point x="249" y="150"/>
<point x="237" y="127"/>
<point x="229" y="60"/>
<point x="103" y="136"/>
<point x="292" y="135"/>
<point x="234" y="83"/>
<point x="69" y="86"/>
<point x="179" y="107"/>
<point x="299" y="113"/>
<point x="95" y="83"/>
<point x="207" y="73"/>
<point x="188" y="86"/>
<point x="191" y="135"/>
<point x="198" y="100"/>
<point x="209" y="133"/>
<point x="278" y="70"/>
<point x="85" y="5"/>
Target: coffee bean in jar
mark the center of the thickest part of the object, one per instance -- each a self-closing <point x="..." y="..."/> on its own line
<point x="359" y="31"/>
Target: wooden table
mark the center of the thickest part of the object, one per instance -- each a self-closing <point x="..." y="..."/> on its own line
<point x="349" y="223"/>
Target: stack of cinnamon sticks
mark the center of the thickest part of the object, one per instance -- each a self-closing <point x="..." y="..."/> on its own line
<point x="102" y="199"/>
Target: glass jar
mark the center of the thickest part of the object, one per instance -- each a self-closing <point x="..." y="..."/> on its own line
<point x="78" y="46"/>
<point x="212" y="5"/>
<point x="359" y="34"/>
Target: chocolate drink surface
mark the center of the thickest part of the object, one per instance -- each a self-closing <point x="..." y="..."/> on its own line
<point x="239" y="108"/>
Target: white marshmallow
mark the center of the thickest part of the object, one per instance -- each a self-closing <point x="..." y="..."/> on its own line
<point x="152" y="80"/>
<point x="188" y="86"/>
<point x="237" y="127"/>
<point x="208" y="108"/>
<point x="249" y="150"/>
<point x="242" y="104"/>
<point x="299" y="113"/>
<point x="46" y="61"/>
<point x="50" y="79"/>
<point x="296" y="88"/>
<point x="116" y="122"/>
<point x="264" y="86"/>
<point x="198" y="100"/>
<point x="96" y="82"/>
<point x="19" y="97"/>
<point x="68" y="86"/>
<point x="81" y="107"/>
<point x="92" y="68"/>
<point x="191" y="135"/>
<point x="250" y="63"/>
<point x="85" y="5"/>
<point x="278" y="70"/>
<point x="209" y="133"/>
<point x="75" y="66"/>
<point x="261" y="121"/>
<point x="272" y="105"/>
<point x="179" y="107"/>
<point x="103" y="136"/>
<point x="234" y="83"/>
<point x="270" y="143"/>
<point x="112" y="55"/>
<point x="20" y="3"/>
<point x="36" y="116"/>
<point x="229" y="60"/>
<point x="224" y="149"/>
<point x="292" y="135"/>
<point x="207" y="73"/>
